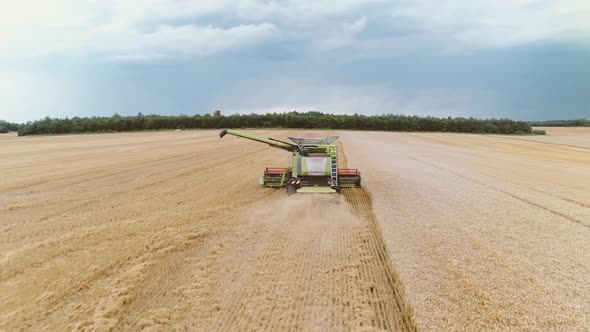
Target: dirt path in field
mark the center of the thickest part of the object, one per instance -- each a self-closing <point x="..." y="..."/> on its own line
<point x="165" y="231"/>
<point x="487" y="233"/>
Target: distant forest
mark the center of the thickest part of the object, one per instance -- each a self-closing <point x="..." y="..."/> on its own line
<point x="6" y="127"/>
<point x="561" y="123"/>
<point x="305" y="120"/>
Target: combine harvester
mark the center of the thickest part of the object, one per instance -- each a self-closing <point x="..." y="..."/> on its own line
<point x="314" y="168"/>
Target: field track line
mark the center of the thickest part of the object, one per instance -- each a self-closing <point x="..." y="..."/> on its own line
<point x="573" y="201"/>
<point x="394" y="311"/>
<point x="522" y="199"/>
<point x="547" y="143"/>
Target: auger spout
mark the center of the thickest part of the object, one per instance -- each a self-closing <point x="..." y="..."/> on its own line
<point x="269" y="141"/>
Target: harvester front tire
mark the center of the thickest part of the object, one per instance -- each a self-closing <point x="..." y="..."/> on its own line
<point x="291" y="189"/>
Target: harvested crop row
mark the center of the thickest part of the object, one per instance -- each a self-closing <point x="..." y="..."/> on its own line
<point x="396" y="311"/>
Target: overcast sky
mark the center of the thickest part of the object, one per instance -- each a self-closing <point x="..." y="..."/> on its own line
<point x="519" y="59"/>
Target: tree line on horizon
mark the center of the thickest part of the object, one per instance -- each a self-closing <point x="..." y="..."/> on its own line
<point x="6" y="127"/>
<point x="304" y="120"/>
<point x="561" y="123"/>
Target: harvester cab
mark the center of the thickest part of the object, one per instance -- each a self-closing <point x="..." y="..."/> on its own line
<point x="314" y="166"/>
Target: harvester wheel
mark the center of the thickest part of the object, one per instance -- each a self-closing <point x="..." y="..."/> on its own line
<point x="291" y="189"/>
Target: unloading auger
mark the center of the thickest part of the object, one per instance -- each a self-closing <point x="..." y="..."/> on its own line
<point x="314" y="167"/>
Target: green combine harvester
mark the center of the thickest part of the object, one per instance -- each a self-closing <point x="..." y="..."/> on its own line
<point x="314" y="168"/>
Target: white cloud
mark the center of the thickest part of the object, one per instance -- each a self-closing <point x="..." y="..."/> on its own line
<point x="129" y="30"/>
<point x="499" y="23"/>
<point x="356" y="26"/>
<point x="142" y="29"/>
<point x="174" y="41"/>
<point x="337" y="37"/>
<point x="125" y="30"/>
<point x="134" y="11"/>
<point x="136" y="57"/>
